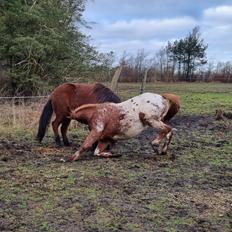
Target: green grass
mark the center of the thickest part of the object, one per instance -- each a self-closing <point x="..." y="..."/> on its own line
<point x="196" y="98"/>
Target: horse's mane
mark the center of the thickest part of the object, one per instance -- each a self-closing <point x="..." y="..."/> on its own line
<point x="174" y="107"/>
<point x="104" y="94"/>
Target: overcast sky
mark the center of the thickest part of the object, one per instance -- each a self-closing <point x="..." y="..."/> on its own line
<point x="119" y="25"/>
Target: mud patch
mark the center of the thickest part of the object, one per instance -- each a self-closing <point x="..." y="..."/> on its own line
<point x="139" y="191"/>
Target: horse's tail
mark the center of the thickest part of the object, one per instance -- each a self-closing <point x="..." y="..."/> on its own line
<point x="174" y="105"/>
<point x="44" y="120"/>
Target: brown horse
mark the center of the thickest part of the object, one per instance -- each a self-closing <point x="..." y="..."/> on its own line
<point x="109" y="122"/>
<point x="64" y="99"/>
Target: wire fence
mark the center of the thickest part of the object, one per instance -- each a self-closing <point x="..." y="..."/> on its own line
<point x="21" y="111"/>
<point x="24" y="97"/>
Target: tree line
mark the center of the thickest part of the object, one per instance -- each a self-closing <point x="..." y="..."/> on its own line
<point x="180" y="60"/>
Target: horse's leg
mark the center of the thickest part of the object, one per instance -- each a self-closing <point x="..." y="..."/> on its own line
<point x="55" y="126"/>
<point x="92" y="137"/>
<point x="165" y="131"/>
<point x="167" y="142"/>
<point x="64" y="128"/>
<point x="102" y="145"/>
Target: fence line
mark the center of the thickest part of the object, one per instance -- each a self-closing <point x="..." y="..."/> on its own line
<point x="22" y="111"/>
<point x="21" y="97"/>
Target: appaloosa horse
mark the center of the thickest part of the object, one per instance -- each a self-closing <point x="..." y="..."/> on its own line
<point x="66" y="98"/>
<point x="109" y="121"/>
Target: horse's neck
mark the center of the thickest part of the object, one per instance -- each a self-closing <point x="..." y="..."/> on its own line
<point x="86" y="113"/>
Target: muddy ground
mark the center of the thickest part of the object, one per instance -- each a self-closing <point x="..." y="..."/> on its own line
<point x="139" y="191"/>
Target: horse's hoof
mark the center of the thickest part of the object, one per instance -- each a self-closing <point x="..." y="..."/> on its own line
<point x="108" y="155"/>
<point x="58" y="142"/>
<point x="58" y="145"/>
<point x="163" y="153"/>
<point x="67" y="144"/>
<point x="68" y="159"/>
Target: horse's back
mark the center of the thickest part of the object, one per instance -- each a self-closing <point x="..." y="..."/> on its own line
<point x="63" y="89"/>
<point x="61" y="97"/>
<point x="146" y="103"/>
<point x="71" y="89"/>
<point x="71" y="95"/>
<point x="151" y="98"/>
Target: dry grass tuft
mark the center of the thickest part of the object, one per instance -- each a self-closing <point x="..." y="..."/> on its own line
<point x="20" y="113"/>
<point x="23" y="115"/>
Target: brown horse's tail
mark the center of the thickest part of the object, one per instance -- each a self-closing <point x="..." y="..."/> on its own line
<point x="174" y="105"/>
<point x="44" y="120"/>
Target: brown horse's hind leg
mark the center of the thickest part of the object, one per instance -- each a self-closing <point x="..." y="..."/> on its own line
<point x="55" y="126"/>
<point x="64" y="128"/>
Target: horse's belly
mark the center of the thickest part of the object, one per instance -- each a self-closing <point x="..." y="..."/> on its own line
<point x="134" y="131"/>
<point x="130" y="130"/>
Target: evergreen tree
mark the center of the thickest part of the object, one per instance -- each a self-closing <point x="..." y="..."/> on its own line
<point x="188" y="53"/>
<point x="194" y="52"/>
<point x="40" y="42"/>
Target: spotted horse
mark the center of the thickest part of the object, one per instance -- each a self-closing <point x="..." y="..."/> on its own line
<point x="109" y="122"/>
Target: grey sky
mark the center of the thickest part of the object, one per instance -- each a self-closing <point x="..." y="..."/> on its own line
<point x="119" y="25"/>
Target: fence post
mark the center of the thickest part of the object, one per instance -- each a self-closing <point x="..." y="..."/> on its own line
<point x="114" y="82"/>
<point x="142" y="88"/>
<point x="13" y="111"/>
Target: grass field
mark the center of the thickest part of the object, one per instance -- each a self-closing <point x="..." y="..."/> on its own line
<point x="139" y="191"/>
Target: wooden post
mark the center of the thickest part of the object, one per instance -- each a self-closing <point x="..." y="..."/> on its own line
<point x="142" y="88"/>
<point x="114" y="82"/>
<point x="13" y="112"/>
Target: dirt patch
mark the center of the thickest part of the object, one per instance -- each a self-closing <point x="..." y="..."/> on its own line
<point x="140" y="191"/>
